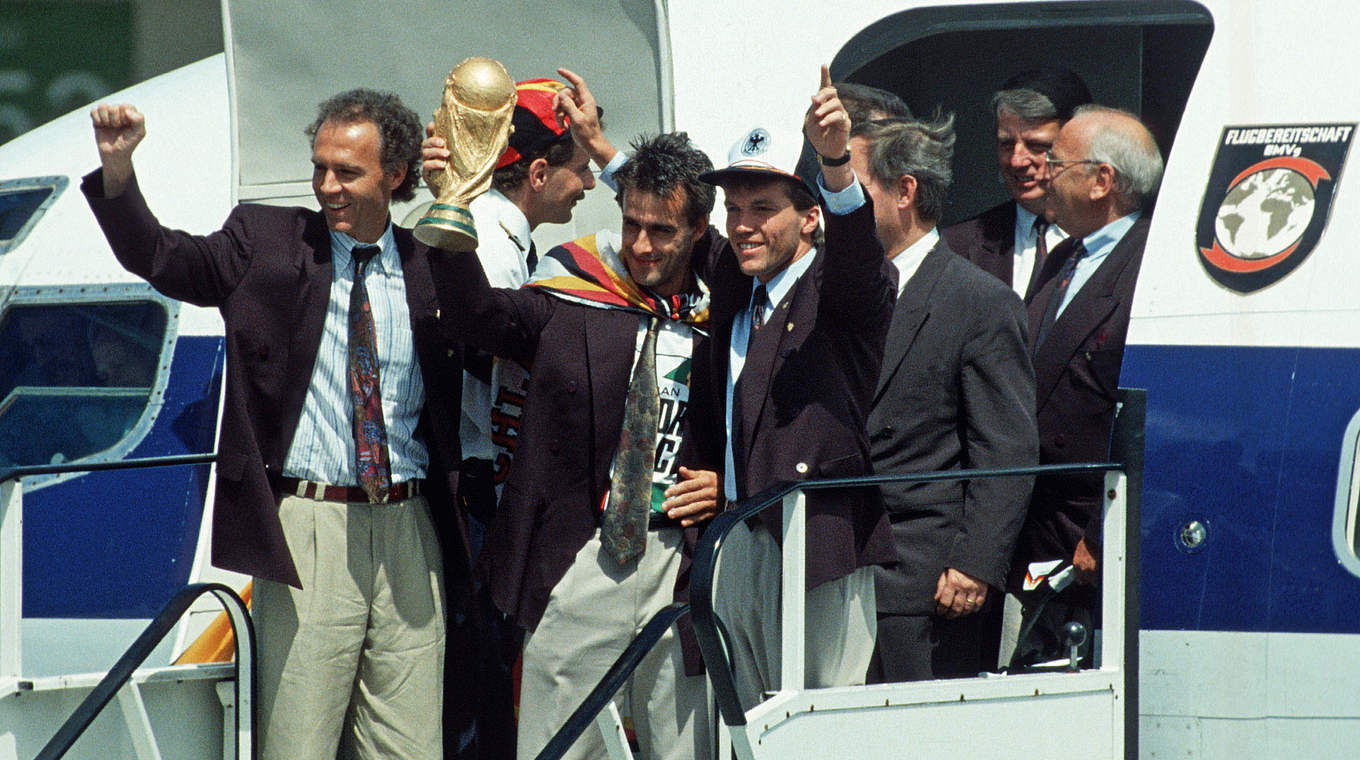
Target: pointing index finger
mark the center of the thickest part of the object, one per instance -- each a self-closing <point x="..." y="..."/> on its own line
<point x="826" y="77"/>
<point x="576" y="81"/>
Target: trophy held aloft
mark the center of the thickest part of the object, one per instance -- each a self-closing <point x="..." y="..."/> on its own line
<point x="474" y="122"/>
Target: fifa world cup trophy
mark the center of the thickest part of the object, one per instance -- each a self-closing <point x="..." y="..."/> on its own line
<point x="474" y="122"/>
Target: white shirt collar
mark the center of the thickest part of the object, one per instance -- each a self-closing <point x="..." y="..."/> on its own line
<point x="387" y="260"/>
<point x="779" y="285"/>
<point x="909" y="260"/>
<point x="512" y="220"/>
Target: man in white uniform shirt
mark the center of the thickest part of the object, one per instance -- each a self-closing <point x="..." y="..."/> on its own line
<point x="540" y="178"/>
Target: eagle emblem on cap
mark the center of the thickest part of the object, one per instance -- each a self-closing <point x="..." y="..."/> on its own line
<point x="756" y="143"/>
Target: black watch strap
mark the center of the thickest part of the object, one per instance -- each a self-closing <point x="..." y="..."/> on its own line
<point x="842" y="161"/>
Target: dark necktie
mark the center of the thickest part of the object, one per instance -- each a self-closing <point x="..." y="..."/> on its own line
<point x="532" y="258"/>
<point x="370" y="434"/>
<point x="1040" y="253"/>
<point x="623" y="528"/>
<point x="758" y="301"/>
<point x="1064" y="279"/>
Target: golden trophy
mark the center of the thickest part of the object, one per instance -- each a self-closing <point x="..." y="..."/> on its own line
<point x="474" y="122"/>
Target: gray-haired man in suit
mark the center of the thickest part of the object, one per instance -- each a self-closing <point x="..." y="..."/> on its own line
<point x="955" y="392"/>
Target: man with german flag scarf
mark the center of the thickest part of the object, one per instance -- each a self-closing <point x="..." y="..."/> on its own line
<point x="588" y="541"/>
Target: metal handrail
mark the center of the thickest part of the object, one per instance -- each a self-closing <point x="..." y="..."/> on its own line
<point x="9" y="473"/>
<point x="612" y="681"/>
<point x="710" y="543"/>
<point x="701" y="583"/>
<point x="162" y="624"/>
<point x="1126" y="451"/>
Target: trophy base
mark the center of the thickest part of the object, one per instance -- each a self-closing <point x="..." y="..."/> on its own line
<point x="447" y="226"/>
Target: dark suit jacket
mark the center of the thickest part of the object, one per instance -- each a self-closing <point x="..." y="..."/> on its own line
<point x="805" y="390"/>
<point x="956" y="392"/>
<point x="987" y="240"/>
<point x="268" y="271"/>
<point x="1077" y="376"/>
<point x="581" y="361"/>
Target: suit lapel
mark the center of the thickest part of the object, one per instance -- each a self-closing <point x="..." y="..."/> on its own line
<point x="911" y="312"/>
<point x="315" y="268"/>
<point x="419" y="289"/>
<point x="611" y="342"/>
<point x="1089" y="308"/>
<point x="788" y="325"/>
<point x="998" y="241"/>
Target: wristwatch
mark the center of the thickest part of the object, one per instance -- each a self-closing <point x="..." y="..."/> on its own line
<point x="842" y="161"/>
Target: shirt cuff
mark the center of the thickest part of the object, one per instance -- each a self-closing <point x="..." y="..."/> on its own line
<point x="607" y="173"/>
<point x="842" y="203"/>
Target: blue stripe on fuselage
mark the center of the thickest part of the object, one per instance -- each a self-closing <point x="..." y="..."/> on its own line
<point x="118" y="544"/>
<point x="1246" y="441"/>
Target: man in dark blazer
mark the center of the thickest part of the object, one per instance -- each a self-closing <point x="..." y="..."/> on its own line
<point x="955" y="392"/>
<point x="583" y="325"/>
<point x="1102" y="169"/>
<point x="350" y="630"/>
<point x="1010" y="240"/>
<point x="799" y="387"/>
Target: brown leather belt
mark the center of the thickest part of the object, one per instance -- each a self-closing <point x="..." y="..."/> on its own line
<point x="309" y="489"/>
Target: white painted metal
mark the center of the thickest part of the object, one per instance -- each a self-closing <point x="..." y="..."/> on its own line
<point x="793" y="594"/>
<point x="1226" y="695"/>
<point x="11" y="582"/>
<point x="244" y="717"/>
<point x="181" y="702"/>
<point x="1003" y="716"/>
<point x="610" y="723"/>
<point x="226" y="694"/>
<point x="138" y="722"/>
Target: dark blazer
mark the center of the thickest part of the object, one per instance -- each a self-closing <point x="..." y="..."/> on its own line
<point x="805" y="390"/>
<point x="581" y="360"/>
<point x="1077" y="376"/>
<point x="987" y="240"/>
<point x="268" y="271"/>
<point x="956" y="392"/>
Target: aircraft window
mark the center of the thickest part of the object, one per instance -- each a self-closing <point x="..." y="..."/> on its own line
<point x="75" y="378"/>
<point x="1346" y="526"/>
<point x="1142" y="56"/>
<point x="22" y="203"/>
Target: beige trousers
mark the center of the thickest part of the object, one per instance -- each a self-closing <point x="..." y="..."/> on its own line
<point x="841" y="618"/>
<point x="592" y="615"/>
<point x="354" y="660"/>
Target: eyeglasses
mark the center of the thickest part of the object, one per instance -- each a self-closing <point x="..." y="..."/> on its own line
<point x="1062" y="163"/>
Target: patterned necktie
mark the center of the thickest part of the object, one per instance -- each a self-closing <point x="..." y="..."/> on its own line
<point x="1040" y="253"/>
<point x="758" y="301"/>
<point x="623" y="528"/>
<point x="370" y="434"/>
<point x="1064" y="279"/>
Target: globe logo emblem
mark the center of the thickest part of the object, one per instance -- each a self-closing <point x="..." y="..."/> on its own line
<point x="1265" y="213"/>
<point x="1267" y="201"/>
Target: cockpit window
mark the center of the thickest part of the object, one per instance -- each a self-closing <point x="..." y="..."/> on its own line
<point x="22" y="203"/>
<point x="75" y="378"/>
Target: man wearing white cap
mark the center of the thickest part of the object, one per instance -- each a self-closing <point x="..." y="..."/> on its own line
<point x="798" y="330"/>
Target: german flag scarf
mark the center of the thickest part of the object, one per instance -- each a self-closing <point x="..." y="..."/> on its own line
<point x="588" y="271"/>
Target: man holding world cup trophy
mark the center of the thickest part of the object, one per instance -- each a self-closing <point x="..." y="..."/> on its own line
<point x="538" y="178"/>
<point x="337" y="465"/>
<point x="589" y="538"/>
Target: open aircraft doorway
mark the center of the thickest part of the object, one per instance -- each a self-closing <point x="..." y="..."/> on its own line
<point x="1142" y="57"/>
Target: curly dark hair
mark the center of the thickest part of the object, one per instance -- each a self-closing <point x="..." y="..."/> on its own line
<point x="664" y="163"/>
<point x="399" y="130"/>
